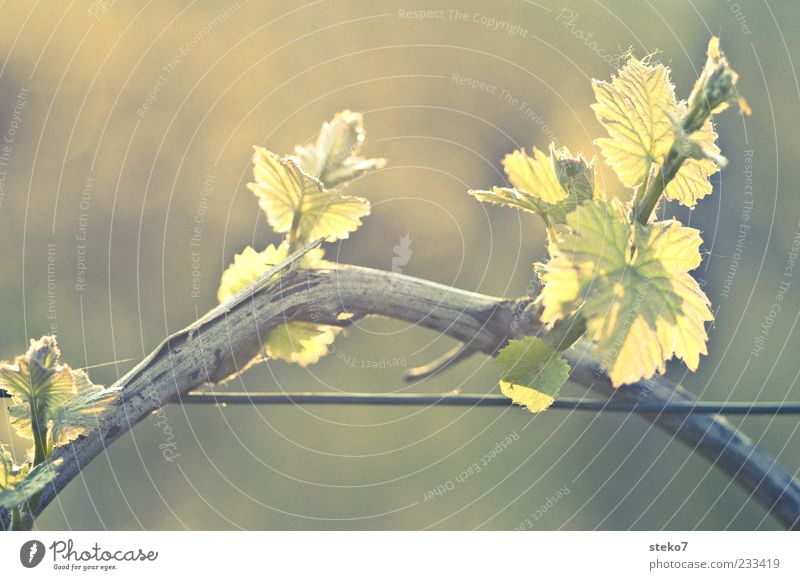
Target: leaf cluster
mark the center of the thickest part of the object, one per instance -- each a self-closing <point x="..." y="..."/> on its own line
<point x="301" y="198"/>
<point x="51" y="404"/>
<point x="618" y="275"/>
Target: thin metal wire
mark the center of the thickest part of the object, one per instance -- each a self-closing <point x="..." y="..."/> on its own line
<point x="462" y="400"/>
<point x="493" y="400"/>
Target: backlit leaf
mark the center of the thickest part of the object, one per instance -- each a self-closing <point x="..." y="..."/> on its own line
<point x="601" y="246"/>
<point x="576" y="176"/>
<point x="295" y="341"/>
<point x="26" y="483"/>
<point x="334" y="159"/>
<point x="534" y="175"/>
<point x="8" y="470"/>
<point x="67" y="402"/>
<point x="548" y="186"/>
<point x="299" y="342"/>
<point x="639" y="301"/>
<point x="510" y="197"/>
<point x="37" y="382"/>
<point x="297" y="204"/>
<point x="634" y="108"/>
<point x="691" y="182"/>
<point x="532" y="373"/>
<point x="82" y="412"/>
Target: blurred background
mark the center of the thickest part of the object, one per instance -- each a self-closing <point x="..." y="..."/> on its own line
<point x="126" y="124"/>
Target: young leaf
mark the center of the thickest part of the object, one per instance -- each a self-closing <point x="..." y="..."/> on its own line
<point x="639" y="110"/>
<point x="250" y="265"/>
<point x="534" y="175"/>
<point x="81" y="412"/>
<point x="549" y="187"/>
<point x="26" y="482"/>
<point x="691" y="183"/>
<point x="298" y="204"/>
<point x="18" y="483"/>
<point x="299" y="342"/>
<point x="599" y="243"/>
<point x="532" y="373"/>
<point x="640" y="304"/>
<point x="38" y="382"/>
<point x="8" y="471"/>
<point x="635" y="109"/>
<point x="715" y="89"/>
<point x="576" y="176"/>
<point x="334" y="159"/>
<point x="64" y="401"/>
<point x="510" y="197"/>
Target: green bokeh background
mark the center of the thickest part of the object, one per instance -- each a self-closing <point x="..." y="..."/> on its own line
<point x="269" y="73"/>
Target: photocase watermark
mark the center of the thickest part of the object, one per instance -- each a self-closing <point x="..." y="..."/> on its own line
<point x="100" y="7"/>
<point x="52" y="305"/>
<point x="507" y="97"/>
<point x="66" y="556"/>
<point x="532" y="290"/>
<point x="356" y="362"/>
<point x="744" y="225"/>
<point x="528" y="522"/>
<point x="169" y="446"/>
<point x="569" y="19"/>
<point x="8" y="139"/>
<point x="735" y="8"/>
<point x="402" y="253"/>
<point x="645" y="385"/>
<point x="622" y="335"/>
<point x="197" y="233"/>
<point x="31" y="553"/>
<point x="781" y="290"/>
<point x="184" y="51"/>
<point x="82" y="235"/>
<point x="473" y="469"/>
<point x="456" y="15"/>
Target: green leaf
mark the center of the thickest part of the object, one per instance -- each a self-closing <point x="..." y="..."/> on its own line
<point x="639" y="111"/>
<point x="691" y="182"/>
<point x="548" y="186"/>
<point x="66" y="401"/>
<point x="38" y="382"/>
<point x="8" y="470"/>
<point x="299" y="342"/>
<point x="532" y="373"/>
<point x="510" y="197"/>
<point x="297" y="204"/>
<point x="633" y="285"/>
<point x="26" y="483"/>
<point x="250" y="265"/>
<point x="334" y="158"/>
<point x="635" y="109"/>
<point x="601" y="246"/>
<point x="82" y="412"/>
<point x="576" y="176"/>
<point x="534" y="175"/>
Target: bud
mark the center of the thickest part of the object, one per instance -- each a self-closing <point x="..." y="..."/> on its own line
<point x="45" y="351"/>
<point x="575" y="174"/>
<point x="714" y="90"/>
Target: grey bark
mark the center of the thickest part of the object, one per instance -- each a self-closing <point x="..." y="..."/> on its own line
<point x="229" y="336"/>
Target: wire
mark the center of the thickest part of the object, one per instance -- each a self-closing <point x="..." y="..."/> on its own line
<point x="493" y="400"/>
<point x="461" y="400"/>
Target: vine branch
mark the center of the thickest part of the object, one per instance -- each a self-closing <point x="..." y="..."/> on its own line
<point x="229" y="336"/>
